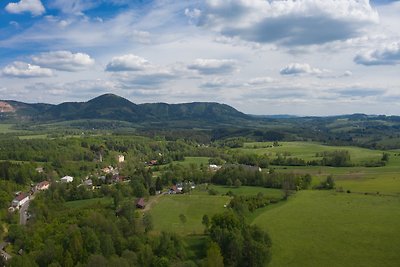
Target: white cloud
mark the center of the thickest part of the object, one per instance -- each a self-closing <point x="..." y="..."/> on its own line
<point x="35" y="7"/>
<point x="299" y="68"/>
<point x="213" y="66"/>
<point x="260" y="80"/>
<point x="73" y="6"/>
<point x="64" y="60"/>
<point x="25" y="70"/>
<point x="142" y="37"/>
<point x="388" y="54"/>
<point x="128" y="62"/>
<point x="290" y="22"/>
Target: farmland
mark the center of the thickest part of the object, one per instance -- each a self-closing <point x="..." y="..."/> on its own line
<point x="329" y="229"/>
<point x="357" y="226"/>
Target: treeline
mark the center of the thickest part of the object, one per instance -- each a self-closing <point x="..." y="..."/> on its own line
<point x="226" y="175"/>
<point x="236" y="242"/>
<point x="244" y="204"/>
<point x="20" y="173"/>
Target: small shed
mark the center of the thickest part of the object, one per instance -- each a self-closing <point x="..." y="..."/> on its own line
<point x="140" y="203"/>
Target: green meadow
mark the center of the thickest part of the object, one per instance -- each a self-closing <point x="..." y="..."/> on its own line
<point x="166" y="214"/>
<point x="6" y="128"/>
<point x="324" y="228"/>
<point x="308" y="150"/>
<point x="360" y="227"/>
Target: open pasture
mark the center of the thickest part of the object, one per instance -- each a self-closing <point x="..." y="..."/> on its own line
<point x="324" y="228"/>
<point x="385" y="180"/>
<point x="307" y="151"/>
<point x="166" y="214"/>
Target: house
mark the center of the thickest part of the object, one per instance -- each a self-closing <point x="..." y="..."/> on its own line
<point x="107" y="169"/>
<point x="140" y="203"/>
<point x="152" y="162"/>
<point x="174" y="190"/>
<point x="179" y="186"/>
<point x="43" y="185"/>
<point x="39" y="169"/>
<point x="88" y="183"/>
<point x="121" y="158"/>
<point x="20" y="200"/>
<point x="67" y="179"/>
<point x="213" y="167"/>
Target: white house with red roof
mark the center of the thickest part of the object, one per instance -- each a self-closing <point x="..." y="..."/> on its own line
<point x="44" y="185"/>
<point x="20" y="200"/>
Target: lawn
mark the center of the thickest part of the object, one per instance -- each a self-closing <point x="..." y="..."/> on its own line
<point x="324" y="228"/>
<point x="169" y="207"/>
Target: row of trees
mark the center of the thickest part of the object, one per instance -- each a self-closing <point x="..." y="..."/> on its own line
<point x="250" y="177"/>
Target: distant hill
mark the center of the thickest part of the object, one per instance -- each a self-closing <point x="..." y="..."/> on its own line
<point x="113" y="107"/>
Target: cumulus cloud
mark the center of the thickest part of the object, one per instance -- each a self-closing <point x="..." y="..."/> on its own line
<point x="290" y="22"/>
<point x="213" y="66"/>
<point x="128" y="62"/>
<point x="25" y="70"/>
<point x="35" y="7"/>
<point x="64" y="60"/>
<point x="388" y="54"/>
<point x="299" y="68"/>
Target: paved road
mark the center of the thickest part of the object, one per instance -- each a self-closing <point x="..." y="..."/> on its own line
<point x="23" y="217"/>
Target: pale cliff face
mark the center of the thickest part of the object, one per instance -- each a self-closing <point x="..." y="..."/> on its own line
<point x="5" y="107"/>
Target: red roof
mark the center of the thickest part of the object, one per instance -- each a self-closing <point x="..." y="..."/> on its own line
<point x="43" y="184"/>
<point x="140" y="203"/>
<point x="21" y="196"/>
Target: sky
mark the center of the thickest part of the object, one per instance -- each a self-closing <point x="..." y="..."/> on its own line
<point x="300" y="57"/>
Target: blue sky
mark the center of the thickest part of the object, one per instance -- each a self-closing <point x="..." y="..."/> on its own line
<point x="304" y="57"/>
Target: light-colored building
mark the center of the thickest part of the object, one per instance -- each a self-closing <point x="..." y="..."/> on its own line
<point x="67" y="179"/>
<point x="20" y="200"/>
<point x="121" y="158"/>
<point x="43" y="185"/>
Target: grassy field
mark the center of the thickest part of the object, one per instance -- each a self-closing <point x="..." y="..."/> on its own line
<point x="6" y="128"/>
<point x="385" y="180"/>
<point x="307" y="150"/>
<point x="166" y="213"/>
<point x="312" y="228"/>
<point x="323" y="228"/>
<point x="33" y="136"/>
<point x="193" y="160"/>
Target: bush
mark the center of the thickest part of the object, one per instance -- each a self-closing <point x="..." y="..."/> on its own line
<point x="213" y="192"/>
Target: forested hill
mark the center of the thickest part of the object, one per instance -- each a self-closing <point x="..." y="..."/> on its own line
<point x="113" y="107"/>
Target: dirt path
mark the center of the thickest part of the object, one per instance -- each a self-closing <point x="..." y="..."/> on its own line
<point x="152" y="201"/>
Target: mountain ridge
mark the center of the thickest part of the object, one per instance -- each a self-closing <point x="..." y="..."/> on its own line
<point x="114" y="107"/>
